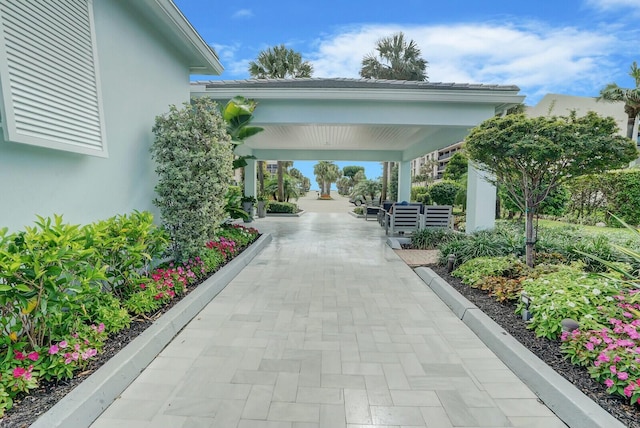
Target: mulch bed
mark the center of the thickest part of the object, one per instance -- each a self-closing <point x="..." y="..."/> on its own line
<point x="28" y="409"/>
<point x="547" y="350"/>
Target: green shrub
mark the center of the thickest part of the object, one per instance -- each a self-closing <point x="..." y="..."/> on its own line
<point x="431" y="238"/>
<point x="424" y="198"/>
<point x="358" y="210"/>
<point x="194" y="157"/>
<point x="282" y="207"/>
<point x="126" y="244"/>
<point x="567" y="293"/>
<point x="48" y="274"/>
<point x="444" y="192"/>
<point x="501" y="241"/>
<point x="474" y="271"/>
<point x="417" y="190"/>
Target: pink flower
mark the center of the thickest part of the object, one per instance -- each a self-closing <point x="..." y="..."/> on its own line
<point x="18" y="355"/>
<point x="63" y="344"/>
<point x="604" y="358"/>
<point x="18" y="372"/>
<point x="627" y="315"/>
<point x="609" y="383"/>
<point x="589" y="346"/>
<point x="613" y="369"/>
<point x="75" y="356"/>
<point x="628" y="390"/>
<point x="623" y="375"/>
<point x="53" y="349"/>
<point x="33" y="356"/>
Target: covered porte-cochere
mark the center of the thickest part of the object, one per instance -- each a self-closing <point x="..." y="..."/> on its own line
<point x="366" y="120"/>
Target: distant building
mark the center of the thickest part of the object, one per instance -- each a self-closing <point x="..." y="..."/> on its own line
<point x="550" y="104"/>
<point x="563" y="105"/>
<point x="437" y="161"/>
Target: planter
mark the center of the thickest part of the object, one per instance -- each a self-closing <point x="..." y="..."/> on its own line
<point x="262" y="209"/>
<point x="248" y="207"/>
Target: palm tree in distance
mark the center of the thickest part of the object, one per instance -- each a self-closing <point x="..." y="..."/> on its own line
<point x="278" y="62"/>
<point x="326" y="173"/>
<point x="399" y="60"/>
<point x="630" y="96"/>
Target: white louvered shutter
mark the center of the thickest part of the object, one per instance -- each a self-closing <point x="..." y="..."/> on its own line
<point x="49" y="75"/>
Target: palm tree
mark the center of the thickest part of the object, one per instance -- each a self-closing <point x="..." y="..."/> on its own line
<point x="326" y="173"/>
<point x="278" y="62"/>
<point x="397" y="59"/>
<point x="630" y="96"/>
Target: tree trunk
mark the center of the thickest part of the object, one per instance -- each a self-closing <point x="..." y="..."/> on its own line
<point x="280" y="182"/>
<point x="631" y="121"/>
<point x="385" y="178"/>
<point x="530" y="239"/>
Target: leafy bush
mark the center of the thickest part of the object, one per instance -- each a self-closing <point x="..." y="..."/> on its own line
<point x="46" y="273"/>
<point x="501" y="241"/>
<point x="281" y="207"/>
<point x="424" y="198"/>
<point x="567" y="293"/>
<point x="194" y="157"/>
<point x="417" y="190"/>
<point x="125" y="244"/>
<point x="474" y="271"/>
<point x="430" y="238"/>
<point x="358" y="210"/>
<point x="444" y="192"/>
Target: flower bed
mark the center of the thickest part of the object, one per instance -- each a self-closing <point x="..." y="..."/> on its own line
<point x="56" y="316"/>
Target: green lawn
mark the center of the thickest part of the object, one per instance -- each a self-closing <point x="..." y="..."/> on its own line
<point x="621" y="234"/>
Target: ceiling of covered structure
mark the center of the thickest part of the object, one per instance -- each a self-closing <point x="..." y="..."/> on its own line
<point x="359" y="119"/>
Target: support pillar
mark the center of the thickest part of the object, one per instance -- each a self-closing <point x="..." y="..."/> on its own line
<point x="404" y="181"/>
<point x="481" y="201"/>
<point x="250" y="178"/>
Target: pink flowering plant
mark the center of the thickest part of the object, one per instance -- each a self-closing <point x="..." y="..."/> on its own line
<point x="611" y="352"/>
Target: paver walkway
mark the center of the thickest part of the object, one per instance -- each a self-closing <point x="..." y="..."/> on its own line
<point x="327" y="327"/>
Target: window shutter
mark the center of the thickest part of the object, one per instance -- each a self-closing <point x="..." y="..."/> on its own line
<point x="49" y="75"/>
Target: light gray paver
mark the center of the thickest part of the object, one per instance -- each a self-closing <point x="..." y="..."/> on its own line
<point x="327" y="327"/>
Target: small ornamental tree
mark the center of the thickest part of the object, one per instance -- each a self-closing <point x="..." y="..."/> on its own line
<point x="531" y="157"/>
<point x="194" y="158"/>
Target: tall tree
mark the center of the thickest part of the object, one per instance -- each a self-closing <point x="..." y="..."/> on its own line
<point x="279" y="62"/>
<point x="531" y="157"/>
<point x="326" y="173"/>
<point x="396" y="59"/>
<point x="630" y="96"/>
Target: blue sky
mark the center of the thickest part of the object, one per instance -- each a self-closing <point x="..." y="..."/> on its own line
<point x="572" y="47"/>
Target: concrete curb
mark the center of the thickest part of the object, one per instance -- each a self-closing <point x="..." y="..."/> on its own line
<point x="298" y="214"/>
<point x="88" y="400"/>
<point x="396" y="243"/>
<point x="565" y="400"/>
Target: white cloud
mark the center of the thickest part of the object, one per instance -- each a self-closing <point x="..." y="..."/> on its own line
<point x="243" y="13"/>
<point x="614" y="4"/>
<point x="536" y="58"/>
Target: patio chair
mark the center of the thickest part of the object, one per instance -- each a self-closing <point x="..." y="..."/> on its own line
<point x="371" y="212"/>
<point x="437" y="216"/>
<point x="403" y="218"/>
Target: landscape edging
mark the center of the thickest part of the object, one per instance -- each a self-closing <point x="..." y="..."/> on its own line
<point x="561" y="396"/>
<point x="89" y="399"/>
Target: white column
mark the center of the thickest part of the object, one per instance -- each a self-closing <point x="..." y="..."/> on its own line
<point x="481" y="201"/>
<point x="404" y="181"/>
<point x="250" y="178"/>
